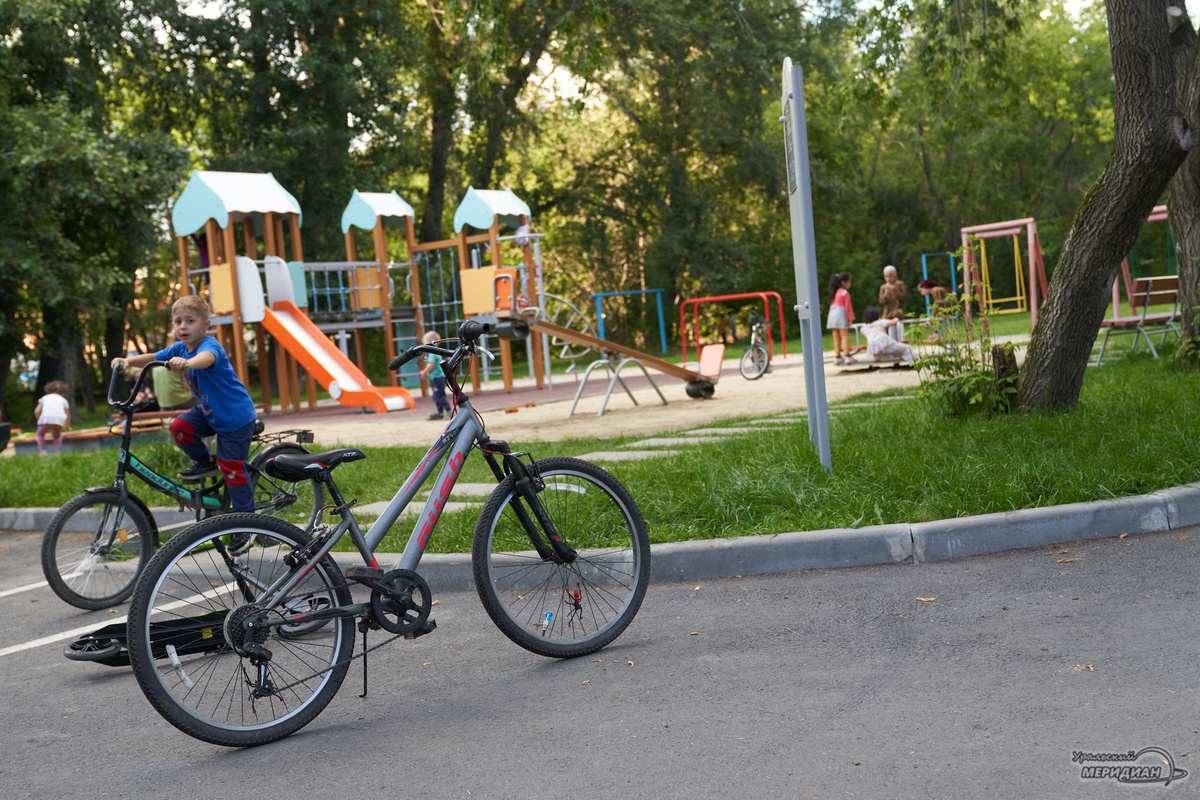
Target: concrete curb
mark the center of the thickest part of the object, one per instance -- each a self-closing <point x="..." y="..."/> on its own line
<point x="938" y="540"/>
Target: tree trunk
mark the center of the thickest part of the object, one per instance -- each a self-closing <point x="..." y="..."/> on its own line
<point x="1151" y="139"/>
<point x="439" y="90"/>
<point x="1183" y="192"/>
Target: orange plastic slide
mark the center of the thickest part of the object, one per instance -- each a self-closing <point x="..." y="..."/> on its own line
<point x="320" y="358"/>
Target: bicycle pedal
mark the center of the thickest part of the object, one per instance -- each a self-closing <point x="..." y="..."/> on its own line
<point x="429" y="627"/>
<point x="364" y="574"/>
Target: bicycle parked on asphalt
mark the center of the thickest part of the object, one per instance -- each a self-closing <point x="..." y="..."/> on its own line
<point x="243" y="649"/>
<point x="97" y="544"/>
<point x="757" y="359"/>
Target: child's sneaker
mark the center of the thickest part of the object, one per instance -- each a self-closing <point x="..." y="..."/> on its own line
<point x="839" y="360"/>
<point x="851" y="360"/>
<point x="198" y="472"/>
<point x="437" y="415"/>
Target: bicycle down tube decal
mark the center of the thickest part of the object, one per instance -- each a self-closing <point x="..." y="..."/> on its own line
<point x="438" y="500"/>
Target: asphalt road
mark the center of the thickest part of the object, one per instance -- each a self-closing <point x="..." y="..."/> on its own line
<point x="816" y="684"/>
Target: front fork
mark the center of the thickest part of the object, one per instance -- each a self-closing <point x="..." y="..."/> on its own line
<point x="528" y="483"/>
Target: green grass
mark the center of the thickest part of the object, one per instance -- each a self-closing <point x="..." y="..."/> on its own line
<point x="1135" y="430"/>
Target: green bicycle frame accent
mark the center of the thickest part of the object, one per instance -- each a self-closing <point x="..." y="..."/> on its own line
<point x="163" y="484"/>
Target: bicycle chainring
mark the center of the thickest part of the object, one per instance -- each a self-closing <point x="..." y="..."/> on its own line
<point x="406" y="605"/>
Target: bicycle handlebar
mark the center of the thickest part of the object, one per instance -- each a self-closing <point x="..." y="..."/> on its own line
<point x="468" y="336"/>
<point x="137" y="385"/>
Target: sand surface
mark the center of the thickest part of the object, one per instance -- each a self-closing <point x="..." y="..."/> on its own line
<point x="780" y="390"/>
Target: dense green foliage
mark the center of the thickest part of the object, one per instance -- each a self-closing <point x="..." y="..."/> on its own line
<point x="643" y="134"/>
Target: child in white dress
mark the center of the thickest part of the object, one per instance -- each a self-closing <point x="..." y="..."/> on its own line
<point x="53" y="413"/>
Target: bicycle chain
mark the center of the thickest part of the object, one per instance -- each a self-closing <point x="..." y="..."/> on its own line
<point x="281" y="689"/>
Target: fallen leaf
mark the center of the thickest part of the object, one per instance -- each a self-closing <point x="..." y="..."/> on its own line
<point x="435" y="602"/>
<point x="585" y="683"/>
<point x="695" y="633"/>
<point x="629" y="663"/>
<point x="511" y="409"/>
<point x="530" y="404"/>
<point x="597" y="660"/>
<point x="696" y="589"/>
<point x="1065" y="560"/>
<point x="927" y="599"/>
<point x="1181" y="538"/>
<point x="1123" y="535"/>
<point x="1064" y="550"/>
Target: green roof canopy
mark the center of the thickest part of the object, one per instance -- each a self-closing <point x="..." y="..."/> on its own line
<point x="480" y="207"/>
<point x="364" y="207"/>
<point x="229" y="197"/>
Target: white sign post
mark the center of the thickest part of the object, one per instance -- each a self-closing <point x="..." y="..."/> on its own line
<point x="804" y="253"/>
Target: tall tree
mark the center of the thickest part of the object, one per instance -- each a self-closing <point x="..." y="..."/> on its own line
<point x="1151" y="139"/>
<point x="1183" y="192"/>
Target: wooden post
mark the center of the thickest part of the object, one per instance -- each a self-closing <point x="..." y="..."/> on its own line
<point x="239" y="343"/>
<point x="535" y="340"/>
<point x="385" y="295"/>
<point x="264" y="375"/>
<point x="185" y="266"/>
<point x="462" y="264"/>
<point x="414" y="291"/>
<point x="270" y="243"/>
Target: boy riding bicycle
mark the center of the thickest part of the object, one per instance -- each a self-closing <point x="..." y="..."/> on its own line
<point x="225" y="406"/>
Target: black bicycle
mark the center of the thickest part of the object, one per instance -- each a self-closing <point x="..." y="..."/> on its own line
<point x="97" y="544"/>
<point x="757" y="358"/>
<point x="241" y="649"/>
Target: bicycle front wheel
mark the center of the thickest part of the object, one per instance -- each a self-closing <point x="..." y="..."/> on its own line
<point x="95" y="547"/>
<point x="297" y="502"/>
<point x="755" y="362"/>
<point x="186" y="637"/>
<point x="563" y="610"/>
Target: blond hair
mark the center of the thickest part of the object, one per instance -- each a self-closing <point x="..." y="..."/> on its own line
<point x="194" y="303"/>
<point x="430" y="336"/>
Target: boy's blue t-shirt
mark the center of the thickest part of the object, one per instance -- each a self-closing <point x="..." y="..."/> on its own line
<point x="225" y="401"/>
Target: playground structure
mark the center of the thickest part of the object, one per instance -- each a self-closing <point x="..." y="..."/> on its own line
<point x="925" y="276"/>
<point x="695" y="303"/>
<point x="437" y="287"/>
<point x="214" y="202"/>
<point x="978" y="274"/>
<point x="1157" y="214"/>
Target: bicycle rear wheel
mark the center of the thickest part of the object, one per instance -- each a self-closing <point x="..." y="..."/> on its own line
<point x="563" y="610"/>
<point x="297" y="502"/>
<point x="95" y="547"/>
<point x="184" y="634"/>
<point x="755" y="362"/>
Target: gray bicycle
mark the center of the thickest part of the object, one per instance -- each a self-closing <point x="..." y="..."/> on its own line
<point x="243" y="649"/>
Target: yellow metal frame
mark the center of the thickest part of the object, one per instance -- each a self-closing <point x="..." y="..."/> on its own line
<point x="990" y="303"/>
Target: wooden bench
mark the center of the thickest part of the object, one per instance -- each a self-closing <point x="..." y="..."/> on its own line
<point x="1146" y="292"/>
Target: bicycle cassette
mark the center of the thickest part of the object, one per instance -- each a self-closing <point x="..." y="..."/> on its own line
<point x="404" y="605"/>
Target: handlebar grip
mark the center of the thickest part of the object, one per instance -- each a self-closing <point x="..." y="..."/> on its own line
<point x="399" y="361"/>
<point x="470" y="331"/>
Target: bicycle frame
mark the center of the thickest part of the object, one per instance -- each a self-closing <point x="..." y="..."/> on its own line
<point x="451" y="450"/>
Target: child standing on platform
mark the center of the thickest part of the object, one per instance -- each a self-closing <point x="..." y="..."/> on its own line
<point x="225" y="406"/>
<point x="53" y="413"/>
<point x="841" y="314"/>
<point x="437" y="378"/>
